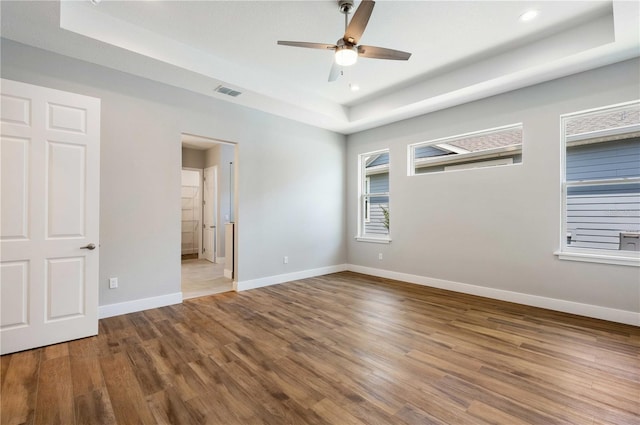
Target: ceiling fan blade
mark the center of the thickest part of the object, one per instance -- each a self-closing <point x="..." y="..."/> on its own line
<point x="382" y="53"/>
<point x="335" y="71"/>
<point x="359" y="21"/>
<point x="308" y="45"/>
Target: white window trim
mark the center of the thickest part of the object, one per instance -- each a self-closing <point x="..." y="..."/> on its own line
<point x="361" y="237"/>
<point x="480" y="164"/>
<point x="599" y="256"/>
<point x="413" y="163"/>
<point x="463" y="157"/>
<point x="622" y="258"/>
<point x="606" y="135"/>
<point x="367" y="188"/>
<point x="373" y="239"/>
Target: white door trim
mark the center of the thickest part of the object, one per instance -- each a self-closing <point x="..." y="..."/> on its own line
<point x="213" y="203"/>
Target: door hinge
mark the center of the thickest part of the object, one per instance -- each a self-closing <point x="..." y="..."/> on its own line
<point x="204" y="250"/>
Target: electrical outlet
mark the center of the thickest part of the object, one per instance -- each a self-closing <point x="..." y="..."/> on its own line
<point x="285" y="260"/>
<point x="113" y="282"/>
<point x="379" y="256"/>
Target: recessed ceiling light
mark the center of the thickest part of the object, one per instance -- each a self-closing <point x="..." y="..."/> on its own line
<point x="529" y="15"/>
<point x="354" y="87"/>
<point x="95" y="1"/>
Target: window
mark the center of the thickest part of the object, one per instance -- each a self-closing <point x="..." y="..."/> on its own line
<point x="373" y="193"/>
<point x="486" y="148"/>
<point x="601" y="185"/>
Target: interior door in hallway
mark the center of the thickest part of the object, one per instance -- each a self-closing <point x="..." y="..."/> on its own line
<point x="210" y="208"/>
<point x="50" y="170"/>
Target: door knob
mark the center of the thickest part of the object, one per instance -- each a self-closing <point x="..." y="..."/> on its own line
<point x="90" y="247"/>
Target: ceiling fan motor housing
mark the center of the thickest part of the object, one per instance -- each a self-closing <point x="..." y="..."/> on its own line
<point x="345" y="6"/>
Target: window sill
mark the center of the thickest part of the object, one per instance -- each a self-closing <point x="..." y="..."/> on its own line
<point x="599" y="258"/>
<point x="372" y="239"/>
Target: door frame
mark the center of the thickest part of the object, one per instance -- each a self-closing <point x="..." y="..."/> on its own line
<point x="188" y="138"/>
<point x="215" y="208"/>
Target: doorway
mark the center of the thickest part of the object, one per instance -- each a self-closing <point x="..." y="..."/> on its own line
<point x="207" y="208"/>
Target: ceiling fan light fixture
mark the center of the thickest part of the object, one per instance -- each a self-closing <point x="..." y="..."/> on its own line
<point x="346" y="55"/>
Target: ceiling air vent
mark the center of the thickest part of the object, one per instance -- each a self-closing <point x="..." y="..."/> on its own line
<point x="226" y="90"/>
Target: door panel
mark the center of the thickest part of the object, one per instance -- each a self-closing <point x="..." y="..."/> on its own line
<point x="14" y="284"/>
<point x="66" y="118"/>
<point x="15" y="189"/>
<point x="50" y="147"/>
<point x="65" y="194"/>
<point x="16" y="110"/>
<point x="65" y="288"/>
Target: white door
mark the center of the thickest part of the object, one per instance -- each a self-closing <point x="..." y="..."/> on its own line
<point x="50" y="157"/>
<point x="209" y="220"/>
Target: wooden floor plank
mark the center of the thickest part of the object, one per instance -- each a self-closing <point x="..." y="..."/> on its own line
<point x="338" y="349"/>
<point x="55" y="403"/>
<point x="86" y="375"/>
<point x="169" y="408"/>
<point x="19" y="387"/>
<point x="128" y="401"/>
<point x="94" y="407"/>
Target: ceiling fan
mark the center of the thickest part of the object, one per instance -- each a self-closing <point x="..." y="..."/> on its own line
<point x="347" y="49"/>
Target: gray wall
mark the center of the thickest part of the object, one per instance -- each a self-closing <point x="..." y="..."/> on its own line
<point x="193" y="158"/>
<point x="278" y="185"/>
<point x="494" y="227"/>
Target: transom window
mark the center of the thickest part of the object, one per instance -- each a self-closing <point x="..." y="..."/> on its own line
<point x="485" y="148"/>
<point x="601" y="185"/>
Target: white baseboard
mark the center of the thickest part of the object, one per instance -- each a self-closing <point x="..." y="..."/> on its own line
<point x="281" y="278"/>
<point x="589" y="310"/>
<point x="110" y="310"/>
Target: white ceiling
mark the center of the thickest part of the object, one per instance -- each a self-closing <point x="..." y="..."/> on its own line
<point x="462" y="50"/>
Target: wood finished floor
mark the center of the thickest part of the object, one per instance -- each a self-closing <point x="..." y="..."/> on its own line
<point x="338" y="349"/>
